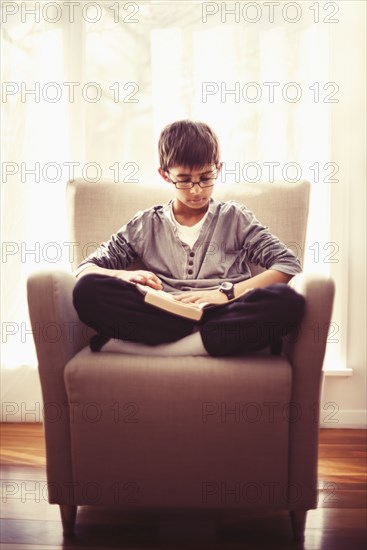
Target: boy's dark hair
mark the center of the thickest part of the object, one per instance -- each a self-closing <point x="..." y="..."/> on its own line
<point x="188" y="143"/>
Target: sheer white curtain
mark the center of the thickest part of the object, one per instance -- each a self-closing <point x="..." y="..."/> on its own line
<point x="103" y="90"/>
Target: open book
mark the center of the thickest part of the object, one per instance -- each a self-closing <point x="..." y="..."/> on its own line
<point x="166" y="301"/>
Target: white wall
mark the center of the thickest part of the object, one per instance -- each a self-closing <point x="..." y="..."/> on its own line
<point x="348" y="216"/>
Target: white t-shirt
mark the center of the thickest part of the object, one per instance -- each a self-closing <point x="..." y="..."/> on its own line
<point x="187" y="234"/>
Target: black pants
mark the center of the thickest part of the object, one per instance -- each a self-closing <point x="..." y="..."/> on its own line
<point x="115" y="309"/>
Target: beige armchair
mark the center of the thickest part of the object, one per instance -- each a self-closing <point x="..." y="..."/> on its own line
<point x="179" y="432"/>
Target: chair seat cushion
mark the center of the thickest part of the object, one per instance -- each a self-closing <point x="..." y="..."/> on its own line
<point x="179" y="431"/>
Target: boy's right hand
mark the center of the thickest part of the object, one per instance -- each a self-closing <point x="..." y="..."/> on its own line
<point x="140" y="276"/>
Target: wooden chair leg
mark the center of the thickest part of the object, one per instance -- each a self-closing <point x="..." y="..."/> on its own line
<point x="68" y="517"/>
<point x="298" y="520"/>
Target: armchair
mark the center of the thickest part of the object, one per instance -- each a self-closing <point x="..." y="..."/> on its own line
<point x="179" y="432"/>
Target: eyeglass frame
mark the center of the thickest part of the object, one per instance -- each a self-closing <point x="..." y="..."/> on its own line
<point x="199" y="183"/>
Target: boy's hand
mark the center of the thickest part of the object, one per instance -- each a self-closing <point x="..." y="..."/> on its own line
<point x="205" y="296"/>
<point x="140" y="276"/>
<point x="202" y="297"/>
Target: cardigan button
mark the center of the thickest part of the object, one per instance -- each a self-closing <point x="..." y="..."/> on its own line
<point x="190" y="272"/>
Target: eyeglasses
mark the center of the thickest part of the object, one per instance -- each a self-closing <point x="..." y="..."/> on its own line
<point x="207" y="181"/>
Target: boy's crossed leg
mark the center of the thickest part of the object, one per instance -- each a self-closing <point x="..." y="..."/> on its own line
<point x="258" y="319"/>
<point x="115" y="309"/>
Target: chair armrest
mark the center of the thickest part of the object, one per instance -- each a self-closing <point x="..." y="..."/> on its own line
<point x="310" y="338"/>
<point x="59" y="332"/>
<point x="305" y="349"/>
<point x="58" y="335"/>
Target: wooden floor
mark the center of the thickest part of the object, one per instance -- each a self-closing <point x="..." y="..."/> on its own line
<point x="30" y="523"/>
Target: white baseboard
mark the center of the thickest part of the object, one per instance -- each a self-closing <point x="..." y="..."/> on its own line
<point x="353" y="419"/>
<point x="21" y="396"/>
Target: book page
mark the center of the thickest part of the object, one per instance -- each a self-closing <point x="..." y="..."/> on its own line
<point x="144" y="289"/>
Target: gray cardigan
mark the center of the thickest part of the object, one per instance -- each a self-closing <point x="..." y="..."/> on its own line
<point x="231" y="237"/>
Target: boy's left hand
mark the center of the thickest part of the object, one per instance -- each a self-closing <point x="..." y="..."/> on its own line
<point x="202" y="296"/>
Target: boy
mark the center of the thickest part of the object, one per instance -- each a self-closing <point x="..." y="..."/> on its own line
<point x="177" y="243"/>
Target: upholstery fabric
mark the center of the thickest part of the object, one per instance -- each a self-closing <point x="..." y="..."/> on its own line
<point x="99" y="210"/>
<point x="96" y="457"/>
<point x="171" y="419"/>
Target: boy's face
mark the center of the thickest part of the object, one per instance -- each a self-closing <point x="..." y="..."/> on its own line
<point x="195" y="198"/>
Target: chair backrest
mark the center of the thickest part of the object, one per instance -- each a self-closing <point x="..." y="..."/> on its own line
<point x="97" y="210"/>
